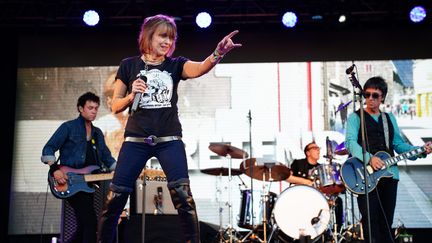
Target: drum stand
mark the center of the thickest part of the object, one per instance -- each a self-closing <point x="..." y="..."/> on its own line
<point x="231" y="231"/>
<point x="265" y="198"/>
<point x="335" y="234"/>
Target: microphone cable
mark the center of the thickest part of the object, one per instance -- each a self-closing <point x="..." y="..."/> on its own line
<point x="43" y="215"/>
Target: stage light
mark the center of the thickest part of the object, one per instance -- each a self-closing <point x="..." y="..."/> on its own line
<point x="91" y="17"/>
<point x="342" y="18"/>
<point x="203" y="20"/>
<point x="289" y="19"/>
<point x="417" y="14"/>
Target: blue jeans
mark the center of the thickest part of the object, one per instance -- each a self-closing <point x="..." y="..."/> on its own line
<point x="133" y="157"/>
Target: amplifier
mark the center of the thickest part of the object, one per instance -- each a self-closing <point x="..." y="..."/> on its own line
<point x="157" y="198"/>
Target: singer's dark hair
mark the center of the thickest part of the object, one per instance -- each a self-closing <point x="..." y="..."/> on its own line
<point x="377" y="82"/>
<point x="89" y="96"/>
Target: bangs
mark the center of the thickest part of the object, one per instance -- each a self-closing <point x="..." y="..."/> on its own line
<point x="169" y="30"/>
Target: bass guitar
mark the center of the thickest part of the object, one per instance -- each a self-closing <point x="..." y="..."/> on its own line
<point x="76" y="181"/>
<point x="352" y="170"/>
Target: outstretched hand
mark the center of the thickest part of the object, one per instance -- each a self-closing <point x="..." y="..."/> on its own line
<point x="226" y="44"/>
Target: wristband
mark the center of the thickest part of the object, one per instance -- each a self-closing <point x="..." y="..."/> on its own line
<point x="216" y="56"/>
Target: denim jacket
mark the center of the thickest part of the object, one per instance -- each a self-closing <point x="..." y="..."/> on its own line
<point x="70" y="138"/>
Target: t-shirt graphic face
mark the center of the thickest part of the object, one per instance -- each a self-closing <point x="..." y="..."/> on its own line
<point x="159" y="90"/>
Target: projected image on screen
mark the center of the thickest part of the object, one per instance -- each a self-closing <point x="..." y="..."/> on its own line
<point x="269" y="110"/>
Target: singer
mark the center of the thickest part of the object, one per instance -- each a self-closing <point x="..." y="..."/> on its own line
<point x="155" y="129"/>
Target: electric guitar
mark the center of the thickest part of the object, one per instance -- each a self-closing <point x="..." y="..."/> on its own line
<point x="352" y="170"/>
<point x="76" y="181"/>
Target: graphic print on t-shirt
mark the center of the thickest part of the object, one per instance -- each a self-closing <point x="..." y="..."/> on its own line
<point x="159" y="90"/>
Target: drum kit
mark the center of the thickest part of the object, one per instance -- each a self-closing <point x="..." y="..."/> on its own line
<point x="299" y="212"/>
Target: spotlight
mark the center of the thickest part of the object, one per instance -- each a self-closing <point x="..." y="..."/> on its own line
<point x="417" y="14"/>
<point x="203" y="20"/>
<point x="342" y="18"/>
<point x="289" y="19"/>
<point x="91" y="17"/>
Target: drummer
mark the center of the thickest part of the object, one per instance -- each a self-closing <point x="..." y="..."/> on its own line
<point x="301" y="174"/>
<point x="301" y="168"/>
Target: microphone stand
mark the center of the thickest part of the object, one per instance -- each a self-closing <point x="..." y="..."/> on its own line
<point x="251" y="167"/>
<point x="356" y="84"/>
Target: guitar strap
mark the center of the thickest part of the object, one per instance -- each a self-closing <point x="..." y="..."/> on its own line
<point x="386" y="131"/>
<point x="95" y="153"/>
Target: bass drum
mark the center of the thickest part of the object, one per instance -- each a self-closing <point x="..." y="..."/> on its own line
<point x="301" y="210"/>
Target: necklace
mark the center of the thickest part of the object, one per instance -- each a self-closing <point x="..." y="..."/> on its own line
<point x="153" y="63"/>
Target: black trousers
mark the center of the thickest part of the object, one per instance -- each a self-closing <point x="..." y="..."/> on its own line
<point x="382" y="203"/>
<point x="86" y="220"/>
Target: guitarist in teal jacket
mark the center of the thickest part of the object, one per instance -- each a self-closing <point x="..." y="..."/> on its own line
<point x="382" y="198"/>
<point x="81" y="145"/>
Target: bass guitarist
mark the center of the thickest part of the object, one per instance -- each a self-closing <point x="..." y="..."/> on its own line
<point x="382" y="134"/>
<point x="80" y="144"/>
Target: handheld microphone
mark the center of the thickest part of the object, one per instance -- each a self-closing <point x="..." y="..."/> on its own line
<point x="138" y="96"/>
<point x="350" y="69"/>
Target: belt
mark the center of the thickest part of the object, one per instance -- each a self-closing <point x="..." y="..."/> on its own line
<point x="152" y="139"/>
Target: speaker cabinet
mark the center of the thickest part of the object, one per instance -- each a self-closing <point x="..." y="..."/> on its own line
<point x="68" y="220"/>
<point x="161" y="229"/>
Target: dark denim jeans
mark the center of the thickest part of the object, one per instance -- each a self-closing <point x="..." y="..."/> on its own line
<point x="382" y="203"/>
<point x="133" y="156"/>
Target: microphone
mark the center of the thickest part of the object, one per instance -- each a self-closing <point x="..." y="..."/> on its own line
<point x="138" y="95"/>
<point x="316" y="219"/>
<point x="350" y="69"/>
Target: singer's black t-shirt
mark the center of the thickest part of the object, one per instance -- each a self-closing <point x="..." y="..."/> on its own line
<point x="157" y="112"/>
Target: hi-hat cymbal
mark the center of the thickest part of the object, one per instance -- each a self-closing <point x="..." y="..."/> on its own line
<point x="341" y="149"/>
<point x="222" y="149"/>
<point x="261" y="170"/>
<point x="221" y="171"/>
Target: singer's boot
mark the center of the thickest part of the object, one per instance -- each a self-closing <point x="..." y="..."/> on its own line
<point x="108" y="221"/>
<point x="181" y="197"/>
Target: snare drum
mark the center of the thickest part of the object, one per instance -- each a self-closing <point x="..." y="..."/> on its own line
<point x="327" y="178"/>
<point x="301" y="210"/>
<point x="246" y="208"/>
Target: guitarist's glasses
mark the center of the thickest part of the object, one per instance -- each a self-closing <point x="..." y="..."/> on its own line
<point x="375" y="95"/>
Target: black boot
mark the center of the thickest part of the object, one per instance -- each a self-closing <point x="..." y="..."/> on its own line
<point x="108" y="221"/>
<point x="181" y="197"/>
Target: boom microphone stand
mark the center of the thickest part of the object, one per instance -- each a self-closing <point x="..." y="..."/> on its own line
<point x="357" y="85"/>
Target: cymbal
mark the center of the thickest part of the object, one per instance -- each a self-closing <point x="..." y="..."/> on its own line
<point x="341" y="149"/>
<point x="222" y="149"/>
<point x="278" y="170"/>
<point x="221" y="171"/>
